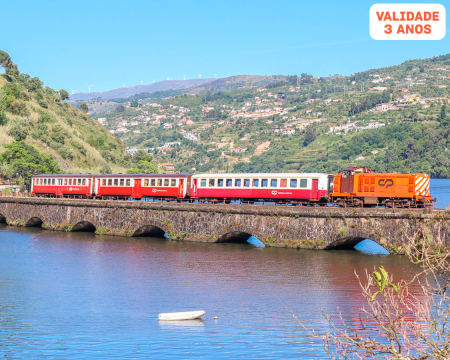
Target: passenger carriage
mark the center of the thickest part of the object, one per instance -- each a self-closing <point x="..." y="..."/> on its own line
<point x="63" y="185"/>
<point x="138" y="186"/>
<point x="277" y="187"/>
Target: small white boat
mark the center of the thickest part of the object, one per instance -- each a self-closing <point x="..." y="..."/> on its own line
<point x="185" y="315"/>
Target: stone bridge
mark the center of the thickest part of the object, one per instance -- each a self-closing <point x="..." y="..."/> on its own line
<point x="280" y="226"/>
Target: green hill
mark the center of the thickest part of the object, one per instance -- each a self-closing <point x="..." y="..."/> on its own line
<point x="391" y="119"/>
<point x="36" y="124"/>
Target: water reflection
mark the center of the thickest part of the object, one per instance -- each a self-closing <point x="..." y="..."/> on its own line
<point x="80" y="295"/>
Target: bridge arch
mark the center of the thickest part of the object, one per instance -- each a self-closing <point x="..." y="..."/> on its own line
<point x="150" y="230"/>
<point x="238" y="235"/>
<point x="34" y="222"/>
<point x="350" y="239"/>
<point x="84" y="226"/>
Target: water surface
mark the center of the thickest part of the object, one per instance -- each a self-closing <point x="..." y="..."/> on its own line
<point x="76" y="295"/>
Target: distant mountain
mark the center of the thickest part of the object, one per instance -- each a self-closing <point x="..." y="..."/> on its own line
<point x="140" y="89"/>
<point x="235" y="82"/>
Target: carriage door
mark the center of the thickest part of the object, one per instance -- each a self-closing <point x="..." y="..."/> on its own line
<point x="181" y="188"/>
<point x="315" y="189"/>
<point x="136" y="192"/>
<point x="347" y="182"/>
<point x="195" y="187"/>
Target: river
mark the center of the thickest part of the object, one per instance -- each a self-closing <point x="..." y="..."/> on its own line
<point x="76" y="295"/>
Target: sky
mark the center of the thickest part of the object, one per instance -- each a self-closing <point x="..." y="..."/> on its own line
<point x="99" y="45"/>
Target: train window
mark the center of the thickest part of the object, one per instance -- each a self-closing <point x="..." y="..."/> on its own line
<point x="84" y="182"/>
<point x="237" y="182"/>
<point x="116" y="182"/>
<point x="109" y="182"/>
<point x="122" y="182"/>
<point x="273" y="182"/>
<point x="173" y="182"/>
<point x="219" y="182"/>
<point x="303" y="183"/>
<point x="264" y="182"/>
<point x="283" y="182"/>
<point x="45" y="181"/>
<point x="153" y="182"/>
<point x="103" y="182"/>
<point x="293" y="183"/>
<point x="229" y="182"/>
<point x="79" y="181"/>
<point x="159" y="182"/>
<point x="127" y="182"/>
<point x="203" y="183"/>
<point x="166" y="182"/>
<point x="246" y="182"/>
<point x="212" y="182"/>
<point x="60" y="181"/>
<point x="255" y="182"/>
<point x="145" y="182"/>
<point x="65" y="182"/>
<point x="53" y="181"/>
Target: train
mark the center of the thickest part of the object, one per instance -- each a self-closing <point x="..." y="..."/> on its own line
<point x="353" y="187"/>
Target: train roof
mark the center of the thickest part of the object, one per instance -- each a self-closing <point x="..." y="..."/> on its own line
<point x="113" y="175"/>
<point x="252" y="175"/>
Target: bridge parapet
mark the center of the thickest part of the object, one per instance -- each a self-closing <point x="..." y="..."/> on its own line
<point x="280" y="226"/>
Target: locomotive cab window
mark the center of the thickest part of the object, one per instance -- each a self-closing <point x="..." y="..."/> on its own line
<point x="293" y="183"/>
<point x="203" y="183"/>
<point x="303" y="183"/>
<point x="273" y="182"/>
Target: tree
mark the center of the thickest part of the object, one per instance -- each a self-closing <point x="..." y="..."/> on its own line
<point x="3" y="118"/>
<point x="142" y="162"/>
<point x="84" y="108"/>
<point x="134" y="103"/>
<point x="442" y="115"/>
<point x="20" y="130"/>
<point x="24" y="161"/>
<point x="64" y="94"/>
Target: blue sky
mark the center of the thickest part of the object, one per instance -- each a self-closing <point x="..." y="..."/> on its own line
<point x="103" y="45"/>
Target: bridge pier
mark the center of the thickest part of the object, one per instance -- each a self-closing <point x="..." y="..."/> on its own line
<point x="277" y="226"/>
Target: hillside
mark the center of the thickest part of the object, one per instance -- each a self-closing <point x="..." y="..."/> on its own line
<point x="391" y="119"/>
<point x="36" y="124"/>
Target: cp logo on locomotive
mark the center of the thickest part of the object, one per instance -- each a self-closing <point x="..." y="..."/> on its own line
<point x="274" y="192"/>
<point x="386" y="183"/>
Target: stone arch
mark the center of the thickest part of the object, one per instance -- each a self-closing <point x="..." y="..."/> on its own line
<point x="85" y="226"/>
<point x="3" y="219"/>
<point x="350" y="239"/>
<point x="150" y="230"/>
<point x="237" y="235"/>
<point x="34" y="222"/>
